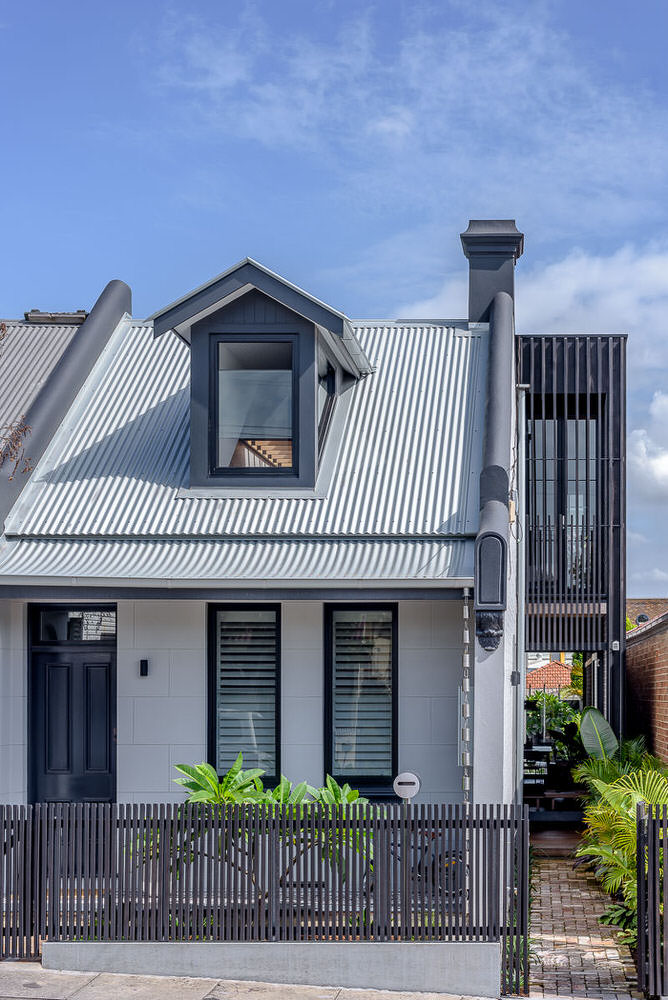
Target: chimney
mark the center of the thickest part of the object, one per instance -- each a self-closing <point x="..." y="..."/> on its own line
<point x="492" y="247"/>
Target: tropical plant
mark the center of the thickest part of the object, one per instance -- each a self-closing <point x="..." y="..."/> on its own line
<point x="561" y="723"/>
<point x="597" y="735"/>
<point x="203" y="785"/>
<point x="577" y="676"/>
<point x="631" y="755"/>
<point x="334" y="794"/>
<point x="238" y="786"/>
<point x="287" y="794"/>
<point x="610" y="835"/>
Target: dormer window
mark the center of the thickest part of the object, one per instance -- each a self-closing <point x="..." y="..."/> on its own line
<point x="272" y="371"/>
<point x="256" y="401"/>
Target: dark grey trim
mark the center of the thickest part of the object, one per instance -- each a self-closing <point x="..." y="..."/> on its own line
<point x="245" y="273"/>
<point x="59" y="392"/>
<point x="370" y="785"/>
<point x="111" y="593"/>
<point x="491" y="546"/>
<point x="212" y="683"/>
<point x="492" y="247"/>
<point x="205" y="335"/>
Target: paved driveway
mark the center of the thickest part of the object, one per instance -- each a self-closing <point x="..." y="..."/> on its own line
<point x="28" y="979"/>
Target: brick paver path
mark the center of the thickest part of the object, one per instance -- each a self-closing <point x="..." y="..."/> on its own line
<point x="572" y="953"/>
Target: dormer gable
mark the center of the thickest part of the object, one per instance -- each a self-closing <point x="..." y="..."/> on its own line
<point x="269" y="367"/>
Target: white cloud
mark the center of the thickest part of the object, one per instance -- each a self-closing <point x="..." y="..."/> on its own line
<point x="648" y="454"/>
<point x="477" y="106"/>
<point x="623" y="292"/>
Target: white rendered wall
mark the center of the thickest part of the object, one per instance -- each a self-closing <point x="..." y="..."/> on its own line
<point x="302" y="691"/>
<point x="13" y="702"/>
<point x="162" y="718"/>
<point x="430" y="671"/>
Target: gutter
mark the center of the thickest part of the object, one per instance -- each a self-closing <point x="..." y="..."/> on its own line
<point x="49" y="409"/>
<point x="491" y="545"/>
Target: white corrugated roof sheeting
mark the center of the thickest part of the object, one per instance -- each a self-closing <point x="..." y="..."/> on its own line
<point x="28" y="354"/>
<point x="408" y="465"/>
<point x="223" y="563"/>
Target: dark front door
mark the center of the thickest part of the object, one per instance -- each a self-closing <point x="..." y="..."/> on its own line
<point x="72" y="711"/>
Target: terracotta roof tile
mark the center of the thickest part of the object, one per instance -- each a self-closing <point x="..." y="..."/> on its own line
<point x="552" y="676"/>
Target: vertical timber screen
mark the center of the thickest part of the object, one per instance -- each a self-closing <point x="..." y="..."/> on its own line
<point x="96" y="872"/>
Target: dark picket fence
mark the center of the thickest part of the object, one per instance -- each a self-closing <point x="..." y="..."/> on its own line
<point x="652" y="960"/>
<point x="96" y="872"/>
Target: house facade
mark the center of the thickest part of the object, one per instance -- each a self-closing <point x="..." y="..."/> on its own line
<point x="251" y="523"/>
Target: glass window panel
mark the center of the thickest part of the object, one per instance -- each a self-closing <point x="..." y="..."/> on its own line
<point x="247" y="648"/>
<point x="82" y="625"/>
<point x="362" y="702"/>
<point x="254" y="405"/>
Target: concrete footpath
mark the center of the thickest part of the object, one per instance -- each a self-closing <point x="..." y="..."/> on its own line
<point x="29" y="979"/>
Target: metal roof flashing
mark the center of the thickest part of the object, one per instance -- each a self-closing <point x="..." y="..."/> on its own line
<point x="181" y="315"/>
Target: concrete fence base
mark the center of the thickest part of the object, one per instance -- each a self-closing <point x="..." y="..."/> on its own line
<point x="471" y="968"/>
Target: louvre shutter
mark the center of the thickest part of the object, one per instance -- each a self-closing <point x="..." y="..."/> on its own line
<point x="247" y="664"/>
<point x="362" y="708"/>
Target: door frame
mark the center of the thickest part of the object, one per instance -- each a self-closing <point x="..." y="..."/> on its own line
<point x="36" y="646"/>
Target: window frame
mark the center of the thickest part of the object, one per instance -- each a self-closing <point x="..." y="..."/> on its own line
<point x="212" y="671"/>
<point x="203" y="473"/>
<point x="225" y="473"/>
<point x="35" y="642"/>
<point x="368" y="784"/>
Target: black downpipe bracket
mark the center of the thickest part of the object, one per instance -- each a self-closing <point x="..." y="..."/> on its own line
<point x="491" y="545"/>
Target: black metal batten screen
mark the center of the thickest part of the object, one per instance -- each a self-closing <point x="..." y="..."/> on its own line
<point x="575" y="502"/>
<point x="251" y="873"/>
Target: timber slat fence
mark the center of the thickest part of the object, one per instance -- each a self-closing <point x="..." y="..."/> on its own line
<point x="652" y="838"/>
<point x="97" y="872"/>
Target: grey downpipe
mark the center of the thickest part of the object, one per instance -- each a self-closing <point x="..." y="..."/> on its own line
<point x="521" y="666"/>
<point x="491" y="546"/>
<point x="52" y="403"/>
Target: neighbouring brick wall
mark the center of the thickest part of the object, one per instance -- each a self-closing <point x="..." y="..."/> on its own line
<point x="647" y="684"/>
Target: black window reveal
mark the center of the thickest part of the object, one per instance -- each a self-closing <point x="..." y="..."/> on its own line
<point x="254" y="419"/>
<point x="361" y="659"/>
<point x="244" y="676"/>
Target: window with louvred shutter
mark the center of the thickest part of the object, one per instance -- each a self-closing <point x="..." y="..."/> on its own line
<point x="246" y="674"/>
<point x="361" y="671"/>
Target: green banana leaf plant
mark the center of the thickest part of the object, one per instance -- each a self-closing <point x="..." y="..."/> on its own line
<point x="237" y="786"/>
<point x="334" y="841"/>
<point x="610" y="837"/>
<point x="597" y="735"/>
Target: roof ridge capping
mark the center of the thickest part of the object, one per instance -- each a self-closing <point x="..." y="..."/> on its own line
<point x="181" y="314"/>
<point x="49" y="408"/>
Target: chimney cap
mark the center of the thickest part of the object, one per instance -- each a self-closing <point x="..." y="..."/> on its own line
<point x="63" y="318"/>
<point x="493" y="236"/>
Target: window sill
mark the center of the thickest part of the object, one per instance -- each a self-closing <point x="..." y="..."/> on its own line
<point x="335" y="436"/>
<point x="249" y="492"/>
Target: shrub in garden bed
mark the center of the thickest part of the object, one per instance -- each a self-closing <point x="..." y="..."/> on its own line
<point x="617" y="776"/>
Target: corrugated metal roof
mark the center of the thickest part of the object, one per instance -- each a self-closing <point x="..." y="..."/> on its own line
<point x="209" y="562"/>
<point x="28" y="354"/>
<point x="408" y="464"/>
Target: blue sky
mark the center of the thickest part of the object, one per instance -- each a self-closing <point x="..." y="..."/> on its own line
<point x="346" y="145"/>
